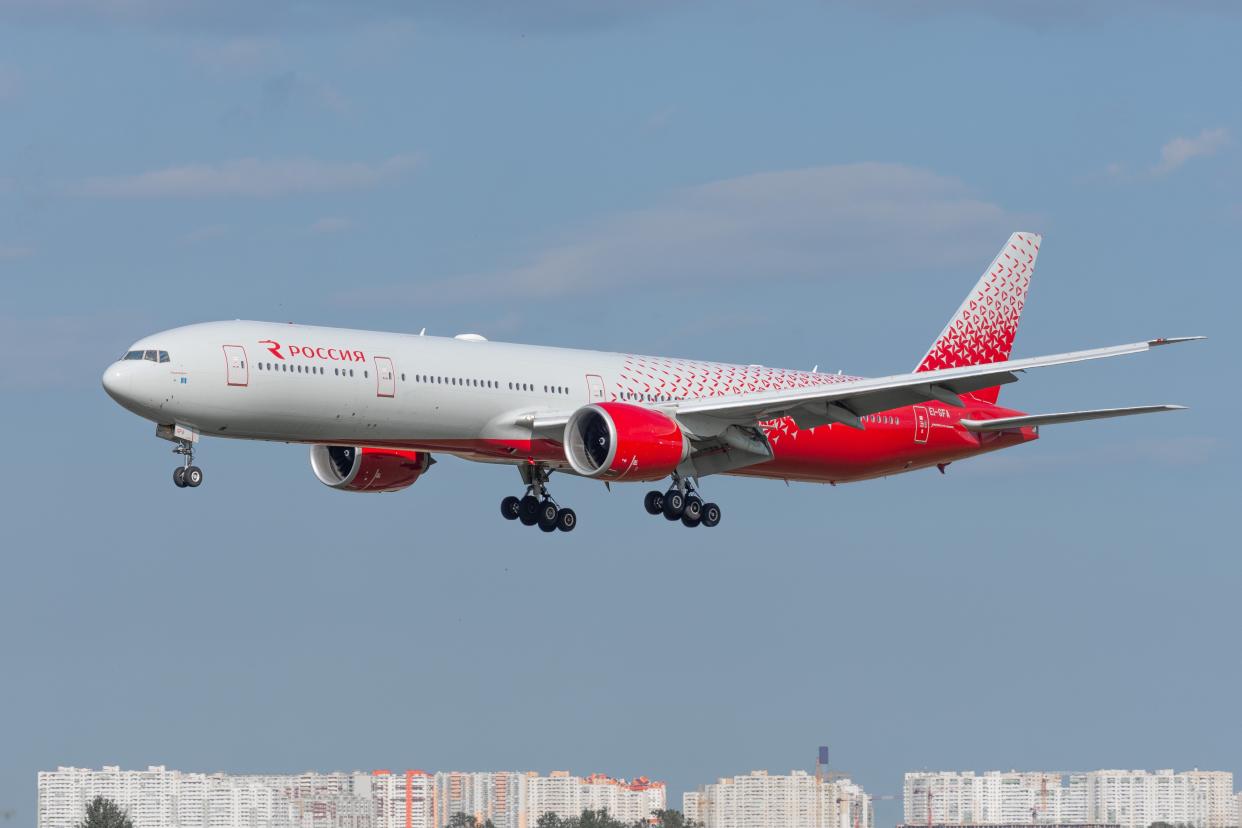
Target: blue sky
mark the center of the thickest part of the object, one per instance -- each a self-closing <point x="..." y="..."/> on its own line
<point x="815" y="184"/>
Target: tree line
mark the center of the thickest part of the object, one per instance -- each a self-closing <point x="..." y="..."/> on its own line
<point x="588" y="819"/>
<point x="104" y="813"/>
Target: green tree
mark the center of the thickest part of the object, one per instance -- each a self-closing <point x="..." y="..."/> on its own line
<point x="104" y="813"/>
<point x="672" y="818"/>
<point x="461" y="820"/>
<point x="551" y="820"/>
<point x="598" y="819"/>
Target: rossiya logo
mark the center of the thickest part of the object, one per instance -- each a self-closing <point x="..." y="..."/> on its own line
<point x="314" y="352"/>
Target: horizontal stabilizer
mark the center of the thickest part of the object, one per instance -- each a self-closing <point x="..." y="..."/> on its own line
<point x="1004" y="423"/>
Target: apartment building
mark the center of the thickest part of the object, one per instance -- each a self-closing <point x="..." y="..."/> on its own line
<point x="163" y="798"/>
<point x="1129" y="799"/>
<point x="494" y="796"/>
<point x="763" y="800"/>
<point x="566" y="795"/>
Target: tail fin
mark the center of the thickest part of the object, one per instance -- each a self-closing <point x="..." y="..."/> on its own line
<point x="982" y="330"/>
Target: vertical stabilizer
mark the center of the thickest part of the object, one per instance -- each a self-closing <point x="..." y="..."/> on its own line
<point x="983" y="329"/>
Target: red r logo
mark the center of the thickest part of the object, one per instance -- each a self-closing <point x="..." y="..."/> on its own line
<point x="272" y="346"/>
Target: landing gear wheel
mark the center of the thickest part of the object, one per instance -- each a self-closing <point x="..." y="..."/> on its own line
<point x="179" y="477"/>
<point x="566" y="520"/>
<point x="528" y="510"/>
<point x="654" y="503"/>
<point x="687" y="520"/>
<point x="711" y="514"/>
<point x="693" y="511"/>
<point x="193" y="477"/>
<point x="674" y="504"/>
<point x="509" y="507"/>
<point x="548" y="514"/>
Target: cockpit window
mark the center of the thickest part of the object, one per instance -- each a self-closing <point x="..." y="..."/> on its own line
<point x="149" y="356"/>
<point x="163" y="356"/>
<point x="133" y="355"/>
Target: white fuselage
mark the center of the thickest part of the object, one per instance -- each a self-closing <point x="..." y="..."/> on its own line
<point x="298" y="383"/>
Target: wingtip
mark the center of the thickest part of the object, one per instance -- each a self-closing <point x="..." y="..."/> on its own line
<point x="1173" y="340"/>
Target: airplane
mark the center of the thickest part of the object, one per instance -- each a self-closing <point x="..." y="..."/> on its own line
<point x="375" y="407"/>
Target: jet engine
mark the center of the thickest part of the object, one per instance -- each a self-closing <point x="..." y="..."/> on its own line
<point x="620" y="441"/>
<point x="367" y="469"/>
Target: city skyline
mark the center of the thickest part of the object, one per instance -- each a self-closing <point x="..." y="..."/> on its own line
<point x="159" y="797"/>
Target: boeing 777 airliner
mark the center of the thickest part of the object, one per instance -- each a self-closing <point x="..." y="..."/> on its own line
<point x="374" y="407"/>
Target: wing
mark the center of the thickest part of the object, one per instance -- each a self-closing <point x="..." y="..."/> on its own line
<point x="1004" y="423"/>
<point x="848" y="402"/>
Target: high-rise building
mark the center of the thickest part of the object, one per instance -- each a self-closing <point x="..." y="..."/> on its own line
<point x="565" y="795"/>
<point x="162" y="798"/>
<point x="763" y="800"/>
<point x="494" y="796"/>
<point x="1129" y="799"/>
<point x="403" y="800"/>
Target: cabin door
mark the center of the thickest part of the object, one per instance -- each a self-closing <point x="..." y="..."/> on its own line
<point x="235" y="364"/>
<point x="385" y="378"/>
<point x="922" y="424"/>
<point x="595" y="388"/>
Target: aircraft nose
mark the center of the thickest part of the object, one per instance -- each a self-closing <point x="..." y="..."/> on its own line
<point x="120" y="382"/>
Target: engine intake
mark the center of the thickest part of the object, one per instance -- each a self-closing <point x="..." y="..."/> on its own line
<point x="620" y="441"/>
<point x="367" y="469"/>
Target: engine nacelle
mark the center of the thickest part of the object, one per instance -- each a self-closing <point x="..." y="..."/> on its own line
<point x="620" y="441"/>
<point x="367" y="469"/>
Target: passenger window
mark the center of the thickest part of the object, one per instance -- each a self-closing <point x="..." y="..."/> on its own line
<point x="351" y="372"/>
<point x="403" y="377"/>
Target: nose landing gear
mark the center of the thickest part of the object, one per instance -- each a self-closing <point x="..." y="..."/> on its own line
<point x="537" y="507"/>
<point x="187" y="475"/>
<point x="682" y="502"/>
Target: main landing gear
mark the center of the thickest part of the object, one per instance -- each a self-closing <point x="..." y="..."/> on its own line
<point x="187" y="475"/>
<point x="536" y="507"/>
<point x="682" y="502"/>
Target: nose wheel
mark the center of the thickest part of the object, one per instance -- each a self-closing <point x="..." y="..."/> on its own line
<point x="682" y="502"/>
<point x="187" y="475"/>
<point x="537" y="507"/>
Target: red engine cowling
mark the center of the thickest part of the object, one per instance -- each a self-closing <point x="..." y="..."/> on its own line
<point x="619" y="441"/>
<point x="367" y="469"/>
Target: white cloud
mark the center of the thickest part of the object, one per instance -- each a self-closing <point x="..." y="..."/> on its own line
<point x="240" y="53"/>
<point x="10" y="252"/>
<point x="1180" y="150"/>
<point x="205" y="233"/>
<point x="10" y="86"/>
<point x="250" y="177"/>
<point x="829" y="222"/>
<point x="331" y="224"/>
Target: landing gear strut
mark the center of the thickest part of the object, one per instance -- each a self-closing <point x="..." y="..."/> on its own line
<point x="537" y="507"/>
<point x="187" y="475"/>
<point x="682" y="502"/>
